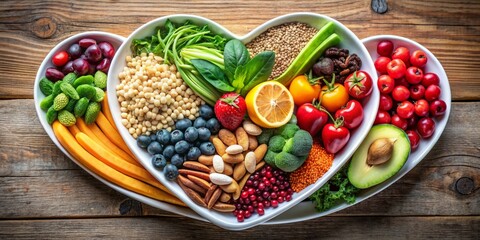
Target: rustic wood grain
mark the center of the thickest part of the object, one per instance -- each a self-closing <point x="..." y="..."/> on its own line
<point x="324" y="228"/>
<point x="29" y="31"/>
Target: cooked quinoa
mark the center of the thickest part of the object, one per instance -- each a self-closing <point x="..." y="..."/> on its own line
<point x="286" y="40"/>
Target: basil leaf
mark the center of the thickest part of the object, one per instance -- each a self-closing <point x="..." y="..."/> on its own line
<point x="235" y="54"/>
<point x="239" y="77"/>
<point x="258" y="70"/>
<point x="213" y="74"/>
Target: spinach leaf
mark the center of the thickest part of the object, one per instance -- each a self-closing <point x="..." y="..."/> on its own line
<point x="213" y="74"/>
<point x="235" y="54"/>
<point x="258" y="70"/>
<point x="239" y="78"/>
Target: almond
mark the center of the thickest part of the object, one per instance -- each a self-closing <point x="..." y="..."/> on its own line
<point x="219" y="146"/>
<point x="209" y="193"/>
<point x="242" y="138"/>
<point x="192" y="195"/>
<point x="239" y="171"/>
<point x="206" y="160"/>
<point x="201" y="175"/>
<point x="200" y="182"/>
<point x="251" y="128"/>
<point x="242" y="182"/>
<point x="237" y="158"/>
<point x="220" y="179"/>
<point x="196" y="166"/>
<point x="224" y="207"/>
<point x="218" y="164"/>
<point x="225" y="197"/>
<point x="230" y="188"/>
<point x="228" y="170"/>
<point x="213" y="199"/>
<point x="252" y="143"/>
<point x="227" y="137"/>
<point x="260" y="152"/>
<point x="234" y="149"/>
<point x="250" y="162"/>
<point x="188" y="183"/>
<point x="259" y="165"/>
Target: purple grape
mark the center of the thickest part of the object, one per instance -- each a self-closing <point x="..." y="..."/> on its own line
<point x="53" y="74"/>
<point x="80" y="66"/>
<point x="91" y="69"/>
<point x="93" y="53"/>
<point x="107" y="49"/>
<point x="104" y="65"/>
<point x="86" y="42"/>
<point x="75" y="51"/>
<point x="83" y="57"/>
<point x="68" y="68"/>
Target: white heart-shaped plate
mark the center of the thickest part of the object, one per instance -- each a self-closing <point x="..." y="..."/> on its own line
<point x="224" y="220"/>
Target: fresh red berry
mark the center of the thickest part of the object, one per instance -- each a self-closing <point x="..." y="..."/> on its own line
<point x="230" y="110"/>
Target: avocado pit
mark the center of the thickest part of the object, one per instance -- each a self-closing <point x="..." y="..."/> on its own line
<point x="380" y="151"/>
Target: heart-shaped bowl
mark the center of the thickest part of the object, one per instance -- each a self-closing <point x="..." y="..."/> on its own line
<point x="306" y="210"/>
<point x="227" y="220"/>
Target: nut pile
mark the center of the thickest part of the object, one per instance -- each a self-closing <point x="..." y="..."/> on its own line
<point x="339" y="62"/>
<point x="215" y="181"/>
<point x="286" y="40"/>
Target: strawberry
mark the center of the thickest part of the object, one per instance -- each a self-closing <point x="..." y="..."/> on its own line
<point x="230" y="110"/>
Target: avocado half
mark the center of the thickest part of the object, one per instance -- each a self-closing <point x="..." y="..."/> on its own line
<point x="363" y="175"/>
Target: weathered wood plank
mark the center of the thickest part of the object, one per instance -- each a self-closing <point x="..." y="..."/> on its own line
<point x="182" y="228"/>
<point x="450" y="30"/>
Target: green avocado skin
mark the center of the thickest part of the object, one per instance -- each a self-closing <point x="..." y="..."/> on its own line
<point x="362" y="175"/>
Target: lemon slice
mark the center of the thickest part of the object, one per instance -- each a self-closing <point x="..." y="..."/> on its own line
<point x="270" y="104"/>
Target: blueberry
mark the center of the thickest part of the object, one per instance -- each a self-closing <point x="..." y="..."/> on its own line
<point x="207" y="148"/>
<point x="176" y="136"/>
<point x="199" y="122"/>
<point x="213" y="125"/>
<point x="206" y="112"/>
<point x="203" y="134"/>
<point x="153" y="137"/>
<point x="163" y="136"/>
<point x="193" y="153"/>
<point x="177" y="160"/>
<point x="191" y="134"/>
<point x="183" y="124"/>
<point x="143" y="141"/>
<point x="159" y="161"/>
<point x="182" y="146"/>
<point x="154" y="148"/>
<point x="168" y="151"/>
<point x="197" y="144"/>
<point x="170" y="171"/>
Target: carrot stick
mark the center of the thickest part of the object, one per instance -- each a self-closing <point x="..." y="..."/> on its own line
<point x="111" y="133"/>
<point x="107" y="112"/>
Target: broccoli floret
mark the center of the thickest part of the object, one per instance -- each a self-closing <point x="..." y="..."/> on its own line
<point x="265" y="136"/>
<point x="288" y="162"/>
<point x="276" y="143"/>
<point x="288" y="130"/>
<point x="293" y="119"/>
<point x="300" y="144"/>
<point x="270" y="158"/>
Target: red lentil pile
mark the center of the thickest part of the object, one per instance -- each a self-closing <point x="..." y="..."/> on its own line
<point x="286" y="40"/>
<point x="317" y="164"/>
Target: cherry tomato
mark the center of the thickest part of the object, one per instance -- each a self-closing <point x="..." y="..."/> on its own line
<point x="405" y="109"/>
<point x="418" y="59"/>
<point x="386" y="102"/>
<point x="414" y="75"/>
<point x="385" y="48"/>
<point x="402" y="82"/>
<point x="359" y="84"/>
<point x="417" y="91"/>
<point x="432" y="92"/>
<point x="438" y="108"/>
<point x="304" y="89"/>
<point x="385" y="84"/>
<point x="311" y="118"/>
<point x="421" y="108"/>
<point x="399" y="122"/>
<point x="382" y="117"/>
<point x="414" y="139"/>
<point x="334" y="137"/>
<point x="430" y="79"/>
<point x="352" y="114"/>
<point x="401" y="53"/>
<point x="426" y="127"/>
<point x="400" y="93"/>
<point x="60" y="58"/>
<point x="333" y="96"/>
<point x="396" y="68"/>
<point x="381" y="64"/>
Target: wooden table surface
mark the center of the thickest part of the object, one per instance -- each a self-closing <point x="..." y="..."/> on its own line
<point x="43" y="194"/>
